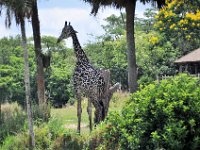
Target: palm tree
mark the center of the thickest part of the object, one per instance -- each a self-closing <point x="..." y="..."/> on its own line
<point x="129" y="6"/>
<point x="38" y="54"/>
<point x="39" y="57"/>
<point x="20" y="10"/>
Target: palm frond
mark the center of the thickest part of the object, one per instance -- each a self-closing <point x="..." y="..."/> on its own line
<point x="19" y="9"/>
<point x="96" y="4"/>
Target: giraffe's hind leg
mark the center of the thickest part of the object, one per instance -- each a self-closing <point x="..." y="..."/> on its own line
<point x="99" y="112"/>
<point x="89" y="110"/>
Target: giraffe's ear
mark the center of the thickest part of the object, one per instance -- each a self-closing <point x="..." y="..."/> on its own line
<point x="75" y="31"/>
<point x="65" y="23"/>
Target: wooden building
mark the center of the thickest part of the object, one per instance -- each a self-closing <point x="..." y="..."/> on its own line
<point x="190" y="63"/>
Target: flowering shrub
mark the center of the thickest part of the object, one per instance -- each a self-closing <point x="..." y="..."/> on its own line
<point x="179" y="20"/>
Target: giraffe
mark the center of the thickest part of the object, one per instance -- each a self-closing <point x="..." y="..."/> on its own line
<point x="88" y="80"/>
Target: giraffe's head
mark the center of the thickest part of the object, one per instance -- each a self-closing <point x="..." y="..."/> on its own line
<point x="67" y="32"/>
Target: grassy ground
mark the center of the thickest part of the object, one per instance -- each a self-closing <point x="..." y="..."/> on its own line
<point x="51" y="135"/>
<point x="68" y="115"/>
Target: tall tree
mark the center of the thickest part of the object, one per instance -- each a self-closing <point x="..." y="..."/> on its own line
<point x="27" y="81"/>
<point x="129" y="6"/>
<point x="20" y="10"/>
<point x="41" y="62"/>
<point x="37" y="45"/>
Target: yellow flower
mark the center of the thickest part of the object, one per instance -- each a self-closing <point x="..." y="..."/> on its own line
<point x="154" y="40"/>
<point x="172" y="26"/>
<point x="193" y="24"/>
<point x="183" y="22"/>
<point x="194" y="17"/>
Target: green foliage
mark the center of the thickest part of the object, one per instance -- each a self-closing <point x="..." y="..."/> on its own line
<point x="42" y="137"/>
<point x="111" y="132"/>
<point x="12" y="69"/>
<point x="57" y="133"/>
<point x="56" y="127"/>
<point x="155" y="56"/>
<point x="40" y="113"/>
<point x="5" y="82"/>
<point x="146" y="24"/>
<point x="115" y="27"/>
<point x="58" y="75"/>
<point x="18" y="142"/>
<point x="155" y="53"/>
<point x="13" y="120"/>
<point x="45" y="135"/>
<point x="73" y="141"/>
<point x="160" y="115"/>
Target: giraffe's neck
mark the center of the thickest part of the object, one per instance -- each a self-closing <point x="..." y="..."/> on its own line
<point x="80" y="54"/>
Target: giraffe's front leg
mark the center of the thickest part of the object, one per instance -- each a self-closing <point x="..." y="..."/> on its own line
<point x="79" y="111"/>
<point x="89" y="110"/>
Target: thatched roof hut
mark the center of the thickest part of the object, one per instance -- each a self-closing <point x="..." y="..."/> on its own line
<point x="190" y="62"/>
<point x="193" y="56"/>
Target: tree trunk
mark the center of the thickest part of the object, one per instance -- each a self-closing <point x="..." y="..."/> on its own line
<point x="27" y="84"/>
<point x="132" y="74"/>
<point x="37" y="45"/>
<point x="0" y="113"/>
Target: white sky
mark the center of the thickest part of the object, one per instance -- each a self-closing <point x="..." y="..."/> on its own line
<point x="53" y="14"/>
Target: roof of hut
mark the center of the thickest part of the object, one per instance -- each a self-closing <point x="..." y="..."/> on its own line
<point x="193" y="56"/>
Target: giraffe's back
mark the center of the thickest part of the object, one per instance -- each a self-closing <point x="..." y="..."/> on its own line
<point x="88" y="79"/>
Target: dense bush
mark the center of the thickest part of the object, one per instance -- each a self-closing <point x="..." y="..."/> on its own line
<point x="69" y="141"/>
<point x="45" y="135"/>
<point x="161" y="115"/>
<point x="16" y="142"/>
<point x="40" y="113"/>
<point x="12" y="120"/>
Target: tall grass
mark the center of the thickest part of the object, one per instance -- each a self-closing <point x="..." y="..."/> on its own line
<point x="13" y="120"/>
<point x="60" y="131"/>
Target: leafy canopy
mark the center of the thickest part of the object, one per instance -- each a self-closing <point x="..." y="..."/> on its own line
<point x="180" y="21"/>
